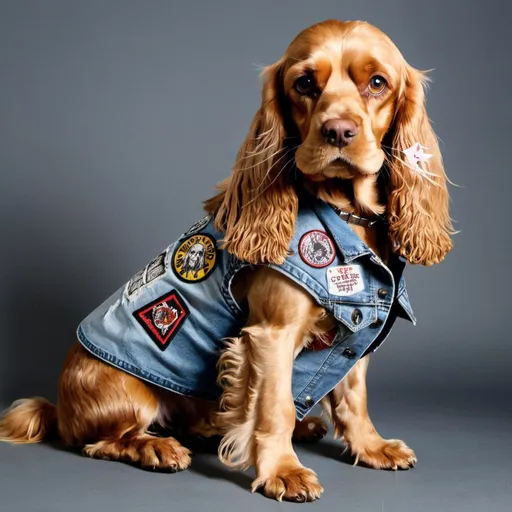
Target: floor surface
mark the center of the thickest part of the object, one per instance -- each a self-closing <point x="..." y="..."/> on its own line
<point x="464" y="465"/>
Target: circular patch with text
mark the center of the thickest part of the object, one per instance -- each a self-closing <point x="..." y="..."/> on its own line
<point x="194" y="258"/>
<point x="316" y="249"/>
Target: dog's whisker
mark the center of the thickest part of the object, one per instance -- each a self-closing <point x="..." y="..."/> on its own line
<point x="286" y="151"/>
<point x="269" y="185"/>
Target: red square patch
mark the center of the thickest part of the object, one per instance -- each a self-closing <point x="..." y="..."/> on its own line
<point x="162" y="318"/>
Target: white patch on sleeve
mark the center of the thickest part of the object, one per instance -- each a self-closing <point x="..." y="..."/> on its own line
<point x="153" y="271"/>
<point x="345" y="280"/>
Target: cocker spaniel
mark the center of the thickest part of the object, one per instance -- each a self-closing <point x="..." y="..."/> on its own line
<point x="273" y="302"/>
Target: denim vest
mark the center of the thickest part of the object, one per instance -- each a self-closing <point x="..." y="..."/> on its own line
<point x="166" y="325"/>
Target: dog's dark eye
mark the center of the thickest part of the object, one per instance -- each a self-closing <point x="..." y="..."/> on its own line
<point x="306" y="84"/>
<point x="377" y="84"/>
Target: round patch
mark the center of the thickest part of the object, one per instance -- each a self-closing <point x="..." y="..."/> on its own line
<point x="317" y="249"/>
<point x="199" y="225"/>
<point x="164" y="316"/>
<point x="194" y="259"/>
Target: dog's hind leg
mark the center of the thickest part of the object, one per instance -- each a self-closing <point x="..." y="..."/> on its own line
<point x="107" y="413"/>
<point x="164" y="454"/>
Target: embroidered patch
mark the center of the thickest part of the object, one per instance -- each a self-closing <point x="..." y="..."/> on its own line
<point x="317" y="249"/>
<point x="195" y="258"/>
<point x="162" y="318"/>
<point x="345" y="280"/>
<point x="152" y="271"/>
<point x="198" y="226"/>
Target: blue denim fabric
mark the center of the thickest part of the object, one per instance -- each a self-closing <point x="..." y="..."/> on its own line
<point x="188" y="364"/>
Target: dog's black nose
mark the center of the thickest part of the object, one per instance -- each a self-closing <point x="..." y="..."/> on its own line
<point x="340" y="132"/>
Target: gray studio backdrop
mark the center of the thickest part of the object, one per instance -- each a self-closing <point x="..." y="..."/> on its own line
<point x="117" y="119"/>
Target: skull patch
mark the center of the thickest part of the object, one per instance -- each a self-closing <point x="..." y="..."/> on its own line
<point x="194" y="259"/>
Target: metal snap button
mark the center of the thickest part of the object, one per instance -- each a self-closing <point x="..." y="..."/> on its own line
<point x="357" y="316"/>
<point x="349" y="353"/>
<point x="376" y="324"/>
<point x="309" y="402"/>
<point x="382" y="293"/>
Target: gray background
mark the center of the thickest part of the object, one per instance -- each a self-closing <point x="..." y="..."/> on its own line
<point x="116" y="120"/>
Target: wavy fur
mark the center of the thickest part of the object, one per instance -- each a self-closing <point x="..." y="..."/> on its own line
<point x="29" y="420"/>
<point x="418" y="211"/>
<point x="257" y="206"/>
<point x="234" y="417"/>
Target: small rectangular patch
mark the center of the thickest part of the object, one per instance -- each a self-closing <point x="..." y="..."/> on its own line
<point x="345" y="280"/>
<point x="151" y="272"/>
<point x="162" y="318"/>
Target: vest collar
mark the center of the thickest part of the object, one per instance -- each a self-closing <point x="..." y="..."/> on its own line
<point x="352" y="218"/>
<point x="350" y="245"/>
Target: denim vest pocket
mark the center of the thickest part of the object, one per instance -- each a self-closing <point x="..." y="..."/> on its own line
<point x="355" y="316"/>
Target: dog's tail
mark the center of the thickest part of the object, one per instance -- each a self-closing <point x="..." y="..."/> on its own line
<point x="29" y="420"/>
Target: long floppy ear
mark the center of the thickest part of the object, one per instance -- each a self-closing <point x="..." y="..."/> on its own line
<point x="257" y="206"/>
<point x="418" y="203"/>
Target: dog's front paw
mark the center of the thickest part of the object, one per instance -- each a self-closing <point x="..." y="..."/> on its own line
<point x="384" y="454"/>
<point x="295" y="484"/>
<point x="310" y="429"/>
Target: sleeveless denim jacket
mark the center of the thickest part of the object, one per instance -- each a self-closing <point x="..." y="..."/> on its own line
<point x="167" y="324"/>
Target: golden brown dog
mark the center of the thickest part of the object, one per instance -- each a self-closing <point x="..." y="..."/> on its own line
<point x="337" y="111"/>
